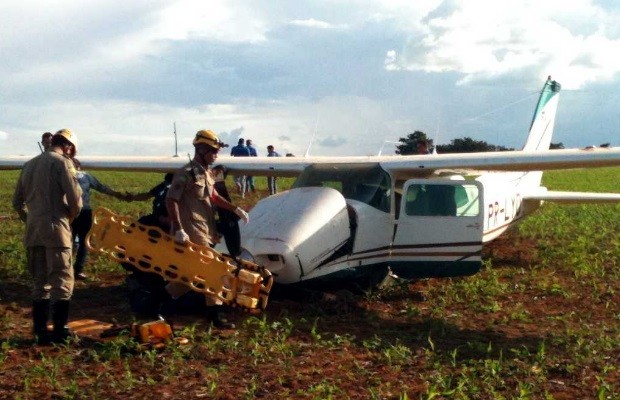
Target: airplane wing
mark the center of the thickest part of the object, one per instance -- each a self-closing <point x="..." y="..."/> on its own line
<point x="269" y="166"/>
<point x="399" y="166"/>
<point x="505" y="161"/>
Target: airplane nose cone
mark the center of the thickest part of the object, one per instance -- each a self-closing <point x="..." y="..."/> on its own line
<point x="292" y="232"/>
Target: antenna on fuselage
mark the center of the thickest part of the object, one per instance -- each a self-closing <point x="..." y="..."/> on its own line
<point x="176" y="148"/>
<point x="383" y="145"/>
<point x="316" y="124"/>
<point x="436" y="139"/>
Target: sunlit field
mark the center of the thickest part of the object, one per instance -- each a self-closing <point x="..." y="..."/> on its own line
<point x="540" y="321"/>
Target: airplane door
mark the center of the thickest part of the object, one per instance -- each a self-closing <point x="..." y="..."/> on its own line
<point x="439" y="229"/>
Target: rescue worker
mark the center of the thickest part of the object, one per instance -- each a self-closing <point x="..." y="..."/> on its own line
<point x="191" y="200"/>
<point x="48" y="198"/>
<point x="228" y="222"/>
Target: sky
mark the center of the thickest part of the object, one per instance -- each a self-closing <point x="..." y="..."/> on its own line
<point x="345" y="77"/>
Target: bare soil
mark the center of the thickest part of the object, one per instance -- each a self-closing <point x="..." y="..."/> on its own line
<point x="351" y="367"/>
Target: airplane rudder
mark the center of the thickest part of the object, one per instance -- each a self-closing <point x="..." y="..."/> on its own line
<point x="541" y="128"/>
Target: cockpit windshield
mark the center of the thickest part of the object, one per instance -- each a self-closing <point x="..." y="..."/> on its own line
<point x="369" y="184"/>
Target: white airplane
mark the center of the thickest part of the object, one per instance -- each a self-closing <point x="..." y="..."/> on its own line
<point x="355" y="218"/>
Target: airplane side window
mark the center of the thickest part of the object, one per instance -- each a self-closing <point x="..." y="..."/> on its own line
<point x="467" y="201"/>
<point x="430" y="200"/>
<point x="417" y="200"/>
<point x="460" y="195"/>
<point x="441" y="200"/>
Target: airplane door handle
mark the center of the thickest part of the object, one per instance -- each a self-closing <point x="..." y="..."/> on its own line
<point x="476" y="225"/>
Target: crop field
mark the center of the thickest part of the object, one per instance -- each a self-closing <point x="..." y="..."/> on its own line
<point x="540" y="321"/>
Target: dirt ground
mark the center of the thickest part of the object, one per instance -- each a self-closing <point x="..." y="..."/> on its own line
<point x="344" y="314"/>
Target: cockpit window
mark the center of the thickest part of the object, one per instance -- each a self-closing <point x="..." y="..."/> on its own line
<point x="369" y="184"/>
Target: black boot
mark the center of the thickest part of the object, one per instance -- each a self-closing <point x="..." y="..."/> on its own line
<point x="40" y="315"/>
<point x="60" y="316"/>
<point x="214" y="316"/>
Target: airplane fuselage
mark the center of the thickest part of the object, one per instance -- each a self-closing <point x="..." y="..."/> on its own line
<point x="354" y="221"/>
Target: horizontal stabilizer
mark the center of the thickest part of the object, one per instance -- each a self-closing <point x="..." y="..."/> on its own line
<point x="573" y="197"/>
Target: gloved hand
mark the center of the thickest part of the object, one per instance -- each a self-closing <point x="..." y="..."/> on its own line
<point x="181" y="237"/>
<point x="242" y="214"/>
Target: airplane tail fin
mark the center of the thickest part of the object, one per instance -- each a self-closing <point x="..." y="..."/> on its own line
<point x="543" y="120"/>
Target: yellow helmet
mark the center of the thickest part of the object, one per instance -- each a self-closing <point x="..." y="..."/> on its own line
<point x="70" y="136"/>
<point x="209" y="138"/>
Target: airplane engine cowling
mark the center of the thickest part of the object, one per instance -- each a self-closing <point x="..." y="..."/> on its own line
<point x="292" y="232"/>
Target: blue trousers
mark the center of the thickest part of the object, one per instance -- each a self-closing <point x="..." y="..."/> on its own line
<point x="80" y="227"/>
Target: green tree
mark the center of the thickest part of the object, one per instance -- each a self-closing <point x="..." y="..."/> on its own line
<point x="468" y="145"/>
<point x="408" y="144"/>
<point x="556" y="146"/>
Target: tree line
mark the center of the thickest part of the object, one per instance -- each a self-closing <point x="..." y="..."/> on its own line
<point x="408" y="145"/>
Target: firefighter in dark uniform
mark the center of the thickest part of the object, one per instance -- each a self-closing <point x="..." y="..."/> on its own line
<point x="48" y="198"/>
<point x="191" y="201"/>
<point x="228" y="222"/>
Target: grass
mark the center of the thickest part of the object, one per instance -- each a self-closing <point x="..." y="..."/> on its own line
<point x="540" y="321"/>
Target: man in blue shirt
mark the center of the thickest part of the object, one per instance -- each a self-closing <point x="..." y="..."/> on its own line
<point x="240" y="150"/>
<point x="249" y="180"/>
<point x="84" y="221"/>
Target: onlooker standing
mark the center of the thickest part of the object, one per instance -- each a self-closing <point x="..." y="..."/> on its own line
<point x="46" y="140"/>
<point x="271" y="180"/>
<point x="250" y="179"/>
<point x="48" y="197"/>
<point x="84" y="221"/>
<point x="422" y="147"/>
<point x="190" y="202"/>
<point x="240" y="150"/>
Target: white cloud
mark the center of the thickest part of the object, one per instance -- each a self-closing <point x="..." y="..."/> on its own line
<point x="73" y="43"/>
<point x="129" y="128"/>
<point x="3" y="135"/>
<point x="333" y="141"/>
<point x="364" y="71"/>
<point x="313" y="23"/>
<point x="221" y="20"/>
<point x="528" y="36"/>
